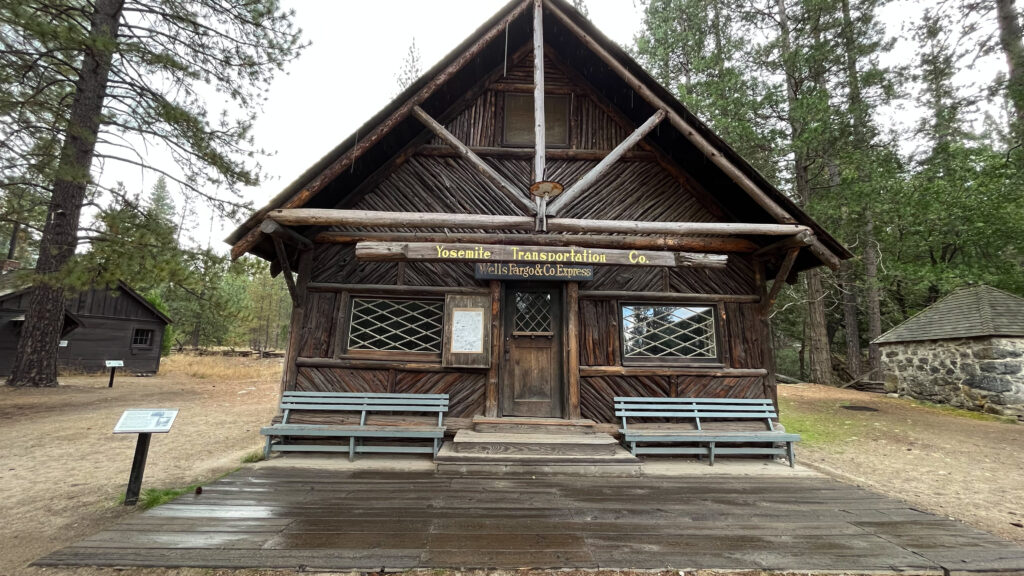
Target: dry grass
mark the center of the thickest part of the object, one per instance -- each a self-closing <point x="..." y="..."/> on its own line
<point x="221" y="368"/>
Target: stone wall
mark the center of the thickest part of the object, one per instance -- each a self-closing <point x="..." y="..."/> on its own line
<point x="982" y="374"/>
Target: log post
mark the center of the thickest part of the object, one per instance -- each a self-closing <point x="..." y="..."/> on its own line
<point x="572" y="303"/>
<point x="780" y="278"/>
<point x="538" y="91"/>
<point x="291" y="370"/>
<point x="491" y="387"/>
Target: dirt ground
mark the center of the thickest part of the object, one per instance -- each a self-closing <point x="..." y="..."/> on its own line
<point x="62" y="470"/>
<point x="941" y="461"/>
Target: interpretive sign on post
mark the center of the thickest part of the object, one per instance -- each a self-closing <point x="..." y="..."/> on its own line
<point x="145" y="423"/>
<point x="113" y="365"/>
<point x="516" y="271"/>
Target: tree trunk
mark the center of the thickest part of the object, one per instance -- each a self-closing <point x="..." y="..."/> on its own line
<point x="12" y="244"/>
<point x="36" y="360"/>
<point x="873" y="298"/>
<point x="817" y="328"/>
<point x="850" y="319"/>
<point x="1013" y="48"/>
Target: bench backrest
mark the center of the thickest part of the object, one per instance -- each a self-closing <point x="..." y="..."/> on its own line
<point x="364" y="402"/>
<point x="696" y="408"/>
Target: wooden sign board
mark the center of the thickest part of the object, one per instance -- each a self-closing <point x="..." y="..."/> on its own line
<point x="516" y="271"/>
<point x="467" y="331"/>
<point x="431" y="252"/>
<point x="158" y="421"/>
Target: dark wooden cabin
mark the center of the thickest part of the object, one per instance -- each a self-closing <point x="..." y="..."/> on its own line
<point x="100" y="324"/>
<point x="632" y="254"/>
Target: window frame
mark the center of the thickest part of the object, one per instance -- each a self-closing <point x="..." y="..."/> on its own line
<point x="717" y="361"/>
<point x="505" y="118"/>
<point x="152" y="336"/>
<point x="359" y="353"/>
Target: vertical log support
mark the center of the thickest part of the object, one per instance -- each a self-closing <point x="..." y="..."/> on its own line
<point x="572" y="303"/>
<point x="767" y="349"/>
<point x="538" y="91"/>
<point x="491" y="389"/>
<point x="291" y="371"/>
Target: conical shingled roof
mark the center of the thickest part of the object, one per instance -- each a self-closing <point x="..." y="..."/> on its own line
<point x="969" y="312"/>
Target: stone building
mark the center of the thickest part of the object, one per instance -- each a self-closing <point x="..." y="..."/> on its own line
<point x="966" y="350"/>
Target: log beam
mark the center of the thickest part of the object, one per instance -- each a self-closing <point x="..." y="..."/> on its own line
<point x="667" y="296"/>
<point x="587" y="371"/>
<point x="271" y="228"/>
<point x="391" y="290"/>
<point x="673" y="243"/>
<point x="328" y="217"/>
<point x="801" y="240"/>
<point x="572" y="301"/>
<point x="286" y="267"/>
<point x="780" y="278"/>
<point x="527" y="154"/>
<point x="602" y="167"/>
<point x="489" y="174"/>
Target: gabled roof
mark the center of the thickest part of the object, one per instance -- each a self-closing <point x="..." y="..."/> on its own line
<point x="17" y="284"/>
<point x="969" y="312"/>
<point x="384" y="136"/>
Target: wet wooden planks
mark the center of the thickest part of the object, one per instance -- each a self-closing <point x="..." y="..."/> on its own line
<point x="329" y="520"/>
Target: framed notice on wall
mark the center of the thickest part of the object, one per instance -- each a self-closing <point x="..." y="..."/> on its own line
<point x="467" y="331"/>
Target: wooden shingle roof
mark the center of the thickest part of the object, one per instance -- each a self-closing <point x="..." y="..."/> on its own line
<point x="970" y="312"/>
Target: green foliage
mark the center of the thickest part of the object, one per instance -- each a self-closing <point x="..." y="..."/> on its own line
<point x="818" y="428"/>
<point x="254" y="456"/>
<point x="797" y="88"/>
<point x="153" y="297"/>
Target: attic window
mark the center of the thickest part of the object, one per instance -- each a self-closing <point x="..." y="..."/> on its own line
<point x="519" y="120"/>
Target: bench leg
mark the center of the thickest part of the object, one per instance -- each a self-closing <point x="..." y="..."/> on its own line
<point x="266" y="450"/>
<point x="437" y="446"/>
<point x="351" y="449"/>
<point x="792" y="459"/>
<point x="711" y="453"/>
<point x="632" y="448"/>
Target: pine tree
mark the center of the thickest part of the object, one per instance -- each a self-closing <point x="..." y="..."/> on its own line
<point x="132" y="70"/>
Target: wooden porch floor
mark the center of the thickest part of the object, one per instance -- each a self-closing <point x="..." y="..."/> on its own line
<point x="295" y="518"/>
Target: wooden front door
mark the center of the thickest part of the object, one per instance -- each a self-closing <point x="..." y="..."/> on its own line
<point x="531" y="369"/>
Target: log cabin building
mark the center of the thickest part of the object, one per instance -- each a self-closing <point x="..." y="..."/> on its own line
<point x="534" y="227"/>
<point x="100" y="324"/>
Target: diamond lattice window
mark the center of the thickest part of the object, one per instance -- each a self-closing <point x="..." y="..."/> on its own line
<point x="650" y="331"/>
<point x="396" y="325"/>
<point x="533" y="313"/>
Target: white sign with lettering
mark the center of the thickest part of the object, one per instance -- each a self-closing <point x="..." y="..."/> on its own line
<point x="142" y="421"/>
<point x="468" y="330"/>
<point x="63" y="344"/>
<point x="115" y="363"/>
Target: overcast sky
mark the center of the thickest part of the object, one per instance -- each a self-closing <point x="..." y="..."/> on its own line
<point x="348" y="73"/>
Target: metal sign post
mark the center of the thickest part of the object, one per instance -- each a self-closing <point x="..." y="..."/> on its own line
<point x="113" y="365"/>
<point x="144" y="423"/>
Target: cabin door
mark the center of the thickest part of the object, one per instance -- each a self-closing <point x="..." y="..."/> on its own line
<point x="531" y="369"/>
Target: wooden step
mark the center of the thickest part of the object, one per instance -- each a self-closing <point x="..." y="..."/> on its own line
<point x="573" y="444"/>
<point x="517" y="425"/>
<point x="449" y="458"/>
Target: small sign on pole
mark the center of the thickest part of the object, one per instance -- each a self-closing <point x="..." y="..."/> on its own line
<point x="144" y="423"/>
<point x="113" y="365"/>
<point x="63" y="344"/>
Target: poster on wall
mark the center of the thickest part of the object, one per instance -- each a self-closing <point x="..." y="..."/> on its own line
<point x="467" y="331"/>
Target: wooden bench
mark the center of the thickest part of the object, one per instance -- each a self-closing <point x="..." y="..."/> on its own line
<point x="698" y="410"/>
<point x="364" y="404"/>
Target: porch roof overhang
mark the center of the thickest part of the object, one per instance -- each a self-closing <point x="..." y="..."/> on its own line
<point x="744" y="194"/>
